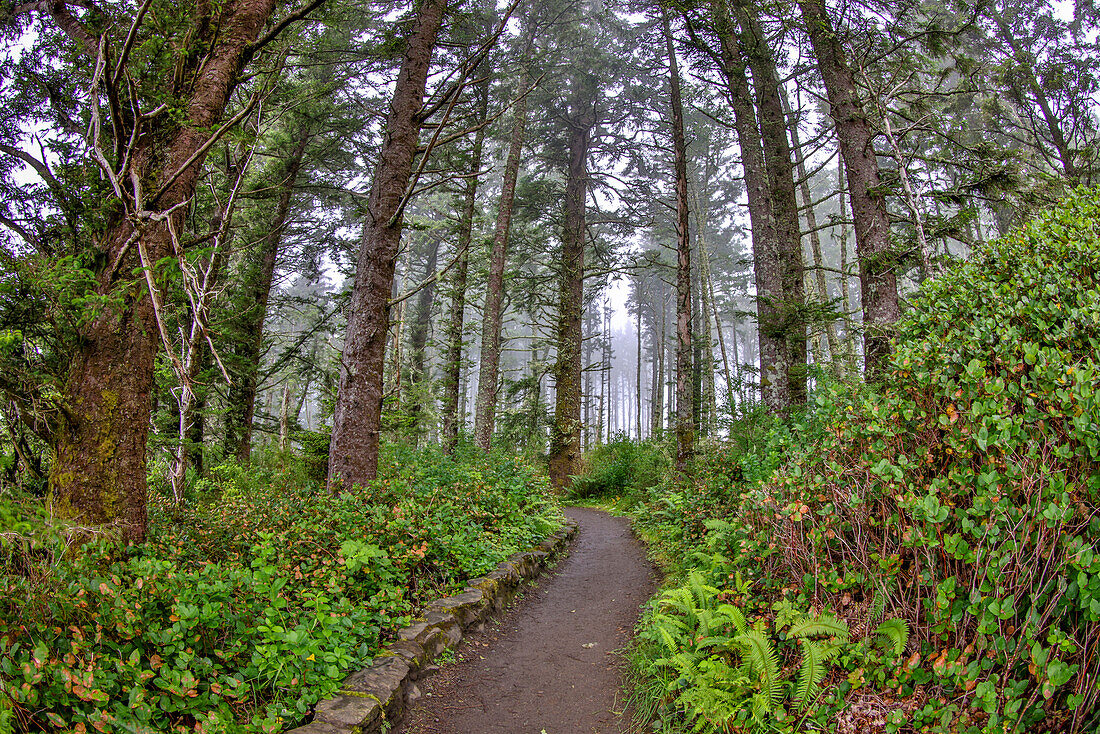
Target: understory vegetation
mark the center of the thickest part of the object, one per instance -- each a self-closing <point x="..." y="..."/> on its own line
<point x="916" y="556"/>
<point x="253" y="599"/>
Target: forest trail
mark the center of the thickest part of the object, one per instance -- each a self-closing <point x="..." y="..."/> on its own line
<point x="552" y="663"/>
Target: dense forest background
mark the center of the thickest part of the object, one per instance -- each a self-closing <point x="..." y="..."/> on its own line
<point x="236" y="233"/>
<point x="548" y="224"/>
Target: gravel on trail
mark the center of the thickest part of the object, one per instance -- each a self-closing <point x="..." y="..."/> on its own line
<point x="552" y="664"/>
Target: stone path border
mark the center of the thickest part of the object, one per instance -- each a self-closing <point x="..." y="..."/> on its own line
<point x="374" y="699"/>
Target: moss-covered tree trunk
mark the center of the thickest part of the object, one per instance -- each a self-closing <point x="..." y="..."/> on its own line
<point x="258" y="279"/>
<point x="565" y="433"/>
<point x="357" y="421"/>
<point x="767" y="265"/>
<point x="492" y="314"/>
<point x="877" y="279"/>
<point x="419" y="331"/>
<point x="790" y="322"/>
<point x="98" y="474"/>
<point x="685" y="396"/>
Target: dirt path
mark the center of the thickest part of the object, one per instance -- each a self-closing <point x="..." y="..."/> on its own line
<point x="551" y="664"/>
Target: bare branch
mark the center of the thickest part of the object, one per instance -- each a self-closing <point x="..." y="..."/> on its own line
<point x="124" y="56"/>
<point x="281" y="26"/>
<point x="95" y="122"/>
<point x="40" y="167"/>
<point x="429" y="280"/>
<point x="205" y="147"/>
<point x="67" y="22"/>
<point x="24" y="233"/>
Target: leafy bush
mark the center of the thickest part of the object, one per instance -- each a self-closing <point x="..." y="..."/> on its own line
<point x="729" y="671"/>
<point x="314" y="453"/>
<point x="959" y="497"/>
<point x="621" y="467"/>
<point x="943" y="491"/>
<point x="243" y="610"/>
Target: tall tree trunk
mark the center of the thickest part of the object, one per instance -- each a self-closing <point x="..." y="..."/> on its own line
<point x="708" y="285"/>
<point x="780" y="173"/>
<point x="391" y="376"/>
<point x="284" y="419"/>
<point x="488" y="377"/>
<point x="708" y="390"/>
<point x="877" y="280"/>
<point x="657" y="395"/>
<point x="418" y="341"/>
<point x="357" y="421"/>
<point x="638" y="379"/>
<point x="699" y="328"/>
<point x="452" y="361"/>
<point x="565" y="434"/>
<point x="685" y="402"/>
<point x="535" y="394"/>
<point x="846" y="305"/>
<point x="1053" y="124"/>
<point x="98" y="473"/>
<point x="815" y="239"/>
<point x="258" y="279"/>
<point x="767" y="265"/>
<point x="586" y="387"/>
<point x="613" y="402"/>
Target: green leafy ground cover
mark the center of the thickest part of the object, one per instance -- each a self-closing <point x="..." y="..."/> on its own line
<point x="250" y="603"/>
<point x="918" y="557"/>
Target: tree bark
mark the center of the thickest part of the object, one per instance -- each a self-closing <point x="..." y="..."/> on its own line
<point x="767" y="265"/>
<point x="565" y="433"/>
<point x="98" y="475"/>
<point x="815" y="239"/>
<point x="657" y="394"/>
<point x="284" y="419"/>
<point x="877" y="280"/>
<point x="357" y="421"/>
<point x="452" y="361"/>
<point x="845" y="293"/>
<point x="418" y="342"/>
<point x="685" y="400"/>
<point x="488" y="377"/>
<point x="638" y="378"/>
<point x="708" y="286"/>
<point x="241" y="400"/>
<point x="784" y="205"/>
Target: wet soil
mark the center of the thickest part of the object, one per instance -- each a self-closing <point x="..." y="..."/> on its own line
<point x="552" y="664"/>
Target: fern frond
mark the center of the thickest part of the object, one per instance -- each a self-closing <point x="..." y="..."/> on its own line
<point x="679" y="599"/>
<point x="894" y="636"/>
<point x="878" y="605"/>
<point x="758" y="652"/>
<point x="703" y="592"/>
<point x="812" y="671"/>
<point x="762" y="707"/>
<point x="733" y="616"/>
<point x="668" y="639"/>
<point x="824" y="626"/>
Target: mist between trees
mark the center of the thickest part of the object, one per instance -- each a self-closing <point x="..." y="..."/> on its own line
<point x="250" y="223"/>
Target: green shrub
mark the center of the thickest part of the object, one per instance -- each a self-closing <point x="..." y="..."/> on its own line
<point x="622" y="468"/>
<point x="246" y="607"/>
<point x="966" y="493"/>
<point x="314" y="453"/>
<point x="959" y="497"/>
